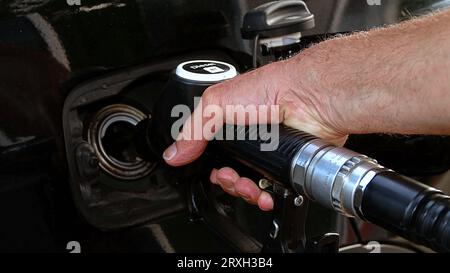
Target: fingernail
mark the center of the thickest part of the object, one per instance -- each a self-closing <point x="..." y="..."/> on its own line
<point x="265" y="197"/>
<point x="170" y="152"/>
<point x="265" y="201"/>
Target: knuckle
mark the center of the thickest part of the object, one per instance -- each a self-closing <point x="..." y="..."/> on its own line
<point x="227" y="170"/>
<point x="249" y="200"/>
<point x="210" y="96"/>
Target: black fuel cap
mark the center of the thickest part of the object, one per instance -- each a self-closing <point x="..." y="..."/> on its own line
<point x="277" y="18"/>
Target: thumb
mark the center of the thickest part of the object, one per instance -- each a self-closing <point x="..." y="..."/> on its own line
<point x="193" y="139"/>
<point x="183" y="152"/>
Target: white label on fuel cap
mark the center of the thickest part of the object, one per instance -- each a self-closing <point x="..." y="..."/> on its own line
<point x="206" y="71"/>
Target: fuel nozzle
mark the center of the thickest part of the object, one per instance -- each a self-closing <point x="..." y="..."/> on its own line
<point x="343" y="180"/>
<point x="181" y="93"/>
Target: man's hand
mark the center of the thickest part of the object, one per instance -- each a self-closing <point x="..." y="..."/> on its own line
<point x="391" y="80"/>
<point x="274" y="84"/>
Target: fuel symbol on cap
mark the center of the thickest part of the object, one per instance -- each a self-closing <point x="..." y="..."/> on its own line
<point x="213" y="69"/>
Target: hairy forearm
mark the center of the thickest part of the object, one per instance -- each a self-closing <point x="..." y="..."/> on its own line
<point x="393" y="80"/>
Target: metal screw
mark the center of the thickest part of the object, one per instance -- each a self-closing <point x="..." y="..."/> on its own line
<point x="298" y="201"/>
<point x="264" y="183"/>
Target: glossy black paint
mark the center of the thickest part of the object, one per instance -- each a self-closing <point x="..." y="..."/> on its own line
<point x="47" y="46"/>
